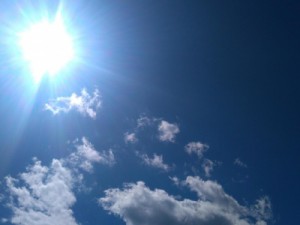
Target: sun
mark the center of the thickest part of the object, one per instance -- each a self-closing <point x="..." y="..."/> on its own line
<point x="47" y="47"/>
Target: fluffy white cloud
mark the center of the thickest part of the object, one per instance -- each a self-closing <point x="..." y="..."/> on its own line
<point x="213" y="192"/>
<point x="156" y="161"/>
<point x="137" y="204"/>
<point x="167" y="131"/>
<point x="42" y="195"/>
<point x="86" y="155"/>
<point x="130" y="138"/>
<point x="84" y="103"/>
<point x="197" y="148"/>
<point x="45" y="195"/>
<point x="208" y="167"/>
<point x="240" y="163"/>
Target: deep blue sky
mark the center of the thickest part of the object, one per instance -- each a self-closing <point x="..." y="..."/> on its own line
<point x="225" y="72"/>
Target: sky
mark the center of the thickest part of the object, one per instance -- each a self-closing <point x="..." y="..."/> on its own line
<point x="172" y="112"/>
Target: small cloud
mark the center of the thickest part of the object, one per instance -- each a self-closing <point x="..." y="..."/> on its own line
<point x="86" y="155"/>
<point x="156" y="162"/>
<point x="84" y="103"/>
<point x="263" y="208"/>
<point x="4" y="220"/>
<point x="175" y="180"/>
<point x="197" y="148"/>
<point x="167" y="131"/>
<point x="208" y="167"/>
<point x="130" y="138"/>
<point x="1" y="196"/>
<point x="144" y="121"/>
<point x="239" y="163"/>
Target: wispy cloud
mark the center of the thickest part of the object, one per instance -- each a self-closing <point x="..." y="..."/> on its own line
<point x="167" y="131"/>
<point x="130" y="137"/>
<point x="46" y="194"/>
<point x="156" y="161"/>
<point x="175" y="180"/>
<point x="84" y="103"/>
<point x="137" y="204"/>
<point x="197" y="148"/>
<point x="4" y="220"/>
<point x="143" y="121"/>
<point x="262" y="209"/>
<point x="86" y="155"/>
<point x="208" y="167"/>
<point x="240" y="163"/>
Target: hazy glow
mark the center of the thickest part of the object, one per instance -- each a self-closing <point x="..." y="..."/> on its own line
<point x="47" y="47"/>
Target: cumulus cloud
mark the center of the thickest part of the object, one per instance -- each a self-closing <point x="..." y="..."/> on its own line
<point x="167" y="131"/>
<point x="46" y="194"/>
<point x="86" y="155"/>
<point x="208" y="167"/>
<point x="240" y="163"/>
<point x="84" y="103"/>
<point x="130" y="137"/>
<point x="213" y="192"/>
<point x="42" y="195"/>
<point x="156" y="161"/>
<point x="197" y="148"/>
<point x="137" y="204"/>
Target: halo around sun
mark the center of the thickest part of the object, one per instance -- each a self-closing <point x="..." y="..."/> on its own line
<point x="47" y="47"/>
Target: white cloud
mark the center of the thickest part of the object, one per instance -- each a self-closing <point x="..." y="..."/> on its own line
<point x="45" y="195"/>
<point x="137" y="204"/>
<point x="84" y="103"/>
<point x="208" y="167"/>
<point x="42" y="195"/>
<point x="144" y="121"/>
<point x="239" y="163"/>
<point x="130" y="138"/>
<point x="197" y="148"/>
<point x="167" y="131"/>
<point x="213" y="192"/>
<point x="86" y="155"/>
<point x="156" y="161"/>
<point x="262" y="209"/>
<point x="175" y="180"/>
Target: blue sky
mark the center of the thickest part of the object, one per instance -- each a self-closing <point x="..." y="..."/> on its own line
<point x="175" y="112"/>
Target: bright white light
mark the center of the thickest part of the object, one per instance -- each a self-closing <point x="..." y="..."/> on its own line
<point x="47" y="47"/>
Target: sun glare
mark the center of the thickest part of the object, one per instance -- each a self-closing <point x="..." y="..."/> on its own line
<point x="47" y="47"/>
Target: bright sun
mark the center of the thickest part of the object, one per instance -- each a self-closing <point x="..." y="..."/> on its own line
<point x="47" y="47"/>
